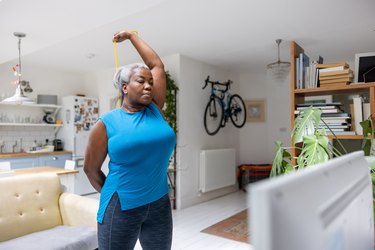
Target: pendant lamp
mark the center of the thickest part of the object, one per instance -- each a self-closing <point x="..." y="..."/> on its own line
<point x="278" y="70"/>
<point x="22" y="86"/>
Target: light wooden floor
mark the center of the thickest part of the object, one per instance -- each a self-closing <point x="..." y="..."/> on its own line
<point x="188" y="223"/>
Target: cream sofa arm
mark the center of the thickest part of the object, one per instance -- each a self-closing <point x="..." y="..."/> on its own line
<point x="77" y="210"/>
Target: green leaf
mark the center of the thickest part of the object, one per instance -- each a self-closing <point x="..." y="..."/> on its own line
<point x="314" y="150"/>
<point x="368" y="133"/>
<point x="289" y="168"/>
<point x="281" y="161"/>
<point x="170" y="108"/>
<point x="306" y="123"/>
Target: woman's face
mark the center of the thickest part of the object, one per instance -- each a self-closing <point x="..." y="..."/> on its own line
<point x="139" y="87"/>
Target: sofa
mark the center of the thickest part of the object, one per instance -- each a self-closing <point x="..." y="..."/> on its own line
<point x="36" y="214"/>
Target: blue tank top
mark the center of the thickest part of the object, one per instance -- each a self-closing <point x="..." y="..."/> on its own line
<point x="139" y="147"/>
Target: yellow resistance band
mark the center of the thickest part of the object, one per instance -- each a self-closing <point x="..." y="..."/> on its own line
<point x="116" y="67"/>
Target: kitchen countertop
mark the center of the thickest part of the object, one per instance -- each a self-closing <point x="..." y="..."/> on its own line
<point x="23" y="154"/>
<point x="45" y="169"/>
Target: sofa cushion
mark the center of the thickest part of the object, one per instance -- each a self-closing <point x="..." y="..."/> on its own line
<point x="57" y="238"/>
<point x="29" y="203"/>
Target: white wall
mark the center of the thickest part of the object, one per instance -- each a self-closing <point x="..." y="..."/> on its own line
<point x="192" y="138"/>
<point x="100" y="84"/>
<point x="257" y="139"/>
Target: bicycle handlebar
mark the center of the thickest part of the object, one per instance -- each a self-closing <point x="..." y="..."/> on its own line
<point x="226" y="84"/>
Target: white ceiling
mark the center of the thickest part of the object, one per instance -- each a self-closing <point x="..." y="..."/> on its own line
<point x="234" y="34"/>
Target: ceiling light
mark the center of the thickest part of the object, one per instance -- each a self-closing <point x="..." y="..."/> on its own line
<point x="19" y="97"/>
<point x="279" y="70"/>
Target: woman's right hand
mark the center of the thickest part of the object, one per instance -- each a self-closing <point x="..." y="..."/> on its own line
<point x="122" y="36"/>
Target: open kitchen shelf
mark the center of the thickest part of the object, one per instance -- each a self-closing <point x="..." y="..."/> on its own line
<point x="31" y="105"/>
<point x="47" y="108"/>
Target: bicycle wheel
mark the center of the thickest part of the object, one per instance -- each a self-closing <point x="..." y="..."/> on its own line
<point x="237" y="111"/>
<point x="213" y="115"/>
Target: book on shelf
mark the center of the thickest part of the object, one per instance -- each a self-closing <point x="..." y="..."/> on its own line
<point x="321" y="107"/>
<point x="338" y="129"/>
<point x="329" y="120"/>
<point x="323" y="111"/>
<point x="319" y="104"/>
<point x="341" y="132"/>
<point x="334" y="85"/>
<point x="333" y="127"/>
<point x="335" y="76"/>
<point x="312" y="76"/>
<point x="366" y="111"/>
<point x="335" y="115"/>
<point x="333" y="123"/>
<point x="337" y="80"/>
<point x="337" y="118"/>
<point x="335" y="73"/>
<point x="331" y="65"/>
<point x="303" y="70"/>
<point x="332" y="69"/>
<point x="297" y="74"/>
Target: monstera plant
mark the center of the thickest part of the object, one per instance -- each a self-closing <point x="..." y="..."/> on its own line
<point x="311" y="141"/>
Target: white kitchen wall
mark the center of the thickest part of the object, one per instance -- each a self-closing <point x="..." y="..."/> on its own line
<point x="43" y="81"/>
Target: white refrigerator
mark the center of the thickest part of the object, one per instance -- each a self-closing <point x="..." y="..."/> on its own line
<point x="78" y="114"/>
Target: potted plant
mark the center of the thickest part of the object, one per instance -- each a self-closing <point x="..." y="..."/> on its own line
<point x="311" y="140"/>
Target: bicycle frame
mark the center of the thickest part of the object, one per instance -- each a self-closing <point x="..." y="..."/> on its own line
<point x="223" y="106"/>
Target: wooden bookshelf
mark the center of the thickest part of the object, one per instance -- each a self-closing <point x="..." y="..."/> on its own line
<point x="297" y="95"/>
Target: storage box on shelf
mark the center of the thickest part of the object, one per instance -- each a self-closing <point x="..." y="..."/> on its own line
<point x="298" y="95"/>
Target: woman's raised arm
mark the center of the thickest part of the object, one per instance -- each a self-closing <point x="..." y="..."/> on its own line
<point x="152" y="60"/>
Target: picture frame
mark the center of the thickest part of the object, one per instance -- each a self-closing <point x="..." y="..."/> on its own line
<point x="364" y="65"/>
<point x="255" y="110"/>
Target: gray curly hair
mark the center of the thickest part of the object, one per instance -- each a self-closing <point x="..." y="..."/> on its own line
<point x="124" y="73"/>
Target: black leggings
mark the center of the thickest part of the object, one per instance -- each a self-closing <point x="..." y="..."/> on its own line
<point x="151" y="223"/>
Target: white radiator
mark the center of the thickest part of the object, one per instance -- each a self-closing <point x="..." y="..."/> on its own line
<point x="217" y="169"/>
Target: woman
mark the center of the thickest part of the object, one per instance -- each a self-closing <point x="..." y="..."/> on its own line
<point x="134" y="200"/>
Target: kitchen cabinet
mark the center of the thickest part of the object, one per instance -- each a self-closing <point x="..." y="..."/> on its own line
<point x="54" y="160"/>
<point x="25" y="160"/>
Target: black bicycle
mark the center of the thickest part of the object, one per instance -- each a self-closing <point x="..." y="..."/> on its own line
<point x="222" y="106"/>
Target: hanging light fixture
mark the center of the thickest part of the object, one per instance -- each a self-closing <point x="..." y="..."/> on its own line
<point x="22" y="86"/>
<point x="279" y="70"/>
